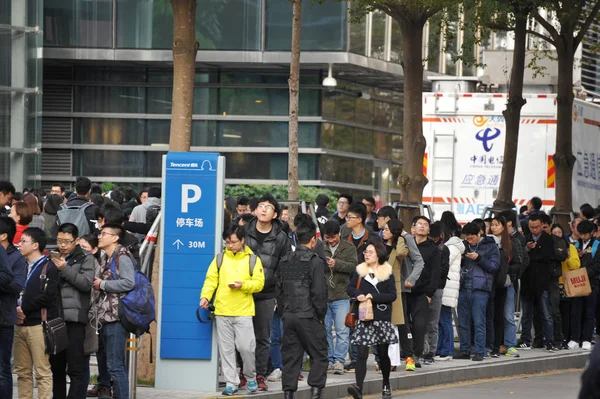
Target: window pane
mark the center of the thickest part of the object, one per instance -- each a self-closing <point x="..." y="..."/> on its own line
<point x="109" y="99"/>
<point x="109" y="131"/>
<point x="237" y="101"/>
<point x="160" y="100"/>
<point x="383" y="145"/>
<point x="203" y="133"/>
<point x="396" y="46"/>
<point x="345" y="170"/>
<point x="109" y="163"/>
<point x="265" y="134"/>
<point x="363" y="141"/>
<point x="323" y="25"/>
<point x="220" y="24"/>
<point x="76" y="23"/>
<point x="358" y="37"/>
<point x="378" y="35"/>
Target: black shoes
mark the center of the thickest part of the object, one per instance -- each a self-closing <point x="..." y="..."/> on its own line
<point x="316" y="393"/>
<point x="462" y="356"/>
<point x="478" y="357"/>
<point x="288" y="395"/>
<point x="355" y="391"/>
<point x="386" y="393"/>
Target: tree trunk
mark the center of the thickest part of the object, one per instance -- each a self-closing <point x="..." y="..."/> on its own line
<point x="412" y="179"/>
<point x="294" y="84"/>
<point x="512" y="115"/>
<point x="185" y="48"/>
<point x="563" y="156"/>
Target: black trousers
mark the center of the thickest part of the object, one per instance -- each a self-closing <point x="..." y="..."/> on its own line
<point x="554" y="293"/>
<point x="499" y="301"/>
<point x="299" y="336"/>
<point x="418" y="310"/>
<point x="404" y="332"/>
<point x="70" y="362"/>
<point x="565" y="314"/>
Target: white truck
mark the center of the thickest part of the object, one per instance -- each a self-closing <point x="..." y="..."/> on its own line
<point x="465" y="135"/>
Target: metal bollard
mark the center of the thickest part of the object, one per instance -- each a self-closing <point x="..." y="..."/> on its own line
<point x="133" y="348"/>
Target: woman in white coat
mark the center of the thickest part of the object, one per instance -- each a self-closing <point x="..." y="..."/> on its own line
<point x="445" y="349"/>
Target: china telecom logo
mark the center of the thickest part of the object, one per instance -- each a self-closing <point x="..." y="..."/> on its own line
<point x="486" y="136"/>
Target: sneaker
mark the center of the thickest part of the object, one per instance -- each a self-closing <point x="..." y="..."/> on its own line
<point x="478" y="357"/>
<point x="512" y="352"/>
<point x="418" y="362"/>
<point x="93" y="391"/>
<point x="274" y="376"/>
<point x="440" y="358"/>
<point x="549" y="348"/>
<point x="503" y="350"/>
<point x="462" y="356"/>
<point x="524" y="345"/>
<point x="350" y="368"/>
<point x="355" y="391"/>
<point x="338" y="368"/>
<point x="229" y="391"/>
<point x="573" y="345"/>
<point x="243" y="381"/>
<point x="410" y="364"/>
<point x="565" y="346"/>
<point x="428" y="361"/>
<point x="495" y="354"/>
<point x="586" y="346"/>
<point x="537" y="345"/>
<point x="330" y="369"/>
<point x="262" y="386"/>
<point x="104" y="392"/>
<point x="386" y="393"/>
<point x="253" y="386"/>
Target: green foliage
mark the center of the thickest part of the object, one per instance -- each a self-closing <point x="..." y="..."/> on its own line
<point x="107" y="186"/>
<point x="280" y="192"/>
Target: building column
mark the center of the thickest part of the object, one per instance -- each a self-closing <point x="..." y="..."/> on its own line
<point x="18" y="110"/>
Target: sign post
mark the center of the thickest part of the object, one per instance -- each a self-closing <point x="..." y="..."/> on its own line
<point x="193" y="190"/>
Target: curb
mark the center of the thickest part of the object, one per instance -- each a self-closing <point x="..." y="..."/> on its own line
<point x="477" y="371"/>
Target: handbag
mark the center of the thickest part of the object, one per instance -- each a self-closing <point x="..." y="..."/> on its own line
<point x="55" y="330"/>
<point x="577" y="283"/>
<point x="350" y="320"/>
<point x="365" y="311"/>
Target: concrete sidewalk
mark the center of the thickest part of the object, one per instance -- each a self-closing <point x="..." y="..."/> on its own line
<point x="443" y="372"/>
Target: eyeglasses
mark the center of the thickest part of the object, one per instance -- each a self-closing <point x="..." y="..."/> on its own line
<point x="266" y="207"/>
<point x="351" y="217"/>
<point x="103" y="233"/>
<point x="24" y="242"/>
<point x="342" y="202"/>
<point x="65" y="242"/>
<point x="368" y="252"/>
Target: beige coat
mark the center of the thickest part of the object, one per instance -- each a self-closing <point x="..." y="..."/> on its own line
<point x="395" y="259"/>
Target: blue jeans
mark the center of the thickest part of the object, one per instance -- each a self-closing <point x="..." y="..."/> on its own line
<point x="510" y="327"/>
<point x="445" y="346"/>
<point x="276" y="336"/>
<point x="543" y="302"/>
<point x="336" y="317"/>
<point x="7" y="334"/>
<point x="114" y="344"/>
<point x="103" y="376"/>
<point x="472" y="308"/>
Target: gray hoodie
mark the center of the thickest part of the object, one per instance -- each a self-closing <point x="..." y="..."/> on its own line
<point x="412" y="265"/>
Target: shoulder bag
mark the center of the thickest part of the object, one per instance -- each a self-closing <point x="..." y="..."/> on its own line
<point x="350" y="320"/>
<point x="55" y="330"/>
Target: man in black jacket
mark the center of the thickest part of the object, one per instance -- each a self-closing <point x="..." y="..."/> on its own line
<point x="267" y="240"/>
<point x="536" y="283"/>
<point x="37" y="303"/>
<point x="7" y="190"/>
<point x="83" y="189"/>
<point x="13" y="271"/>
<point x="302" y="304"/>
<point x="424" y="291"/>
<point x="76" y="276"/>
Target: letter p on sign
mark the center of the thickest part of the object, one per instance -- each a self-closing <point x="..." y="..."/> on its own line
<point x="190" y="193"/>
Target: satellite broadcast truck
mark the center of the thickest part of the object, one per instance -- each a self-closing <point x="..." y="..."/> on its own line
<point x="465" y="135"/>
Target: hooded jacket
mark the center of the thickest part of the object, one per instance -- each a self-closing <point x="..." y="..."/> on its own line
<point x="430" y="277"/>
<point x="412" y="265"/>
<point x="383" y="293"/>
<point x="38" y="296"/>
<point x="339" y="275"/>
<point x="274" y="247"/>
<point x="11" y="287"/>
<point x="235" y="267"/>
<point x="76" y="284"/>
<point x="478" y="275"/>
<point x="452" y="288"/>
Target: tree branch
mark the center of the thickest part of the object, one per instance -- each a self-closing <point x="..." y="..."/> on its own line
<point x="543" y="37"/>
<point x="586" y="25"/>
<point x="502" y="28"/>
<point x="547" y="25"/>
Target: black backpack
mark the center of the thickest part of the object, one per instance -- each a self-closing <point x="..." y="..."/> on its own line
<point x="152" y="213"/>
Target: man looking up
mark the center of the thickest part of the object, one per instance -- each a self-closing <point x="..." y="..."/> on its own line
<point x="10" y="288"/>
<point x="267" y="240"/>
<point x="76" y="269"/>
<point x="343" y="206"/>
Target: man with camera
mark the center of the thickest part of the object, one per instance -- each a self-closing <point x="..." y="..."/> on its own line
<point x="232" y="278"/>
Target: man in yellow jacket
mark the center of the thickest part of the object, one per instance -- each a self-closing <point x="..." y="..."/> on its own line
<point x="238" y="276"/>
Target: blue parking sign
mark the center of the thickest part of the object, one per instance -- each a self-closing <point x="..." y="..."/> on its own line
<point x="193" y="185"/>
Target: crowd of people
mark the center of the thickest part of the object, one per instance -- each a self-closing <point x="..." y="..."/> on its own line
<point x="372" y="285"/>
<point x="96" y="237"/>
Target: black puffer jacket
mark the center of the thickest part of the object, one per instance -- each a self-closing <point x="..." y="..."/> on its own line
<point x="76" y="285"/>
<point x="383" y="293"/>
<point x="275" y="246"/>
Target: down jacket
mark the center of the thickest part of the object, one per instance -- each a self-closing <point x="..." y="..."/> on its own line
<point x="76" y="285"/>
<point x="450" y="294"/>
<point x="478" y="275"/>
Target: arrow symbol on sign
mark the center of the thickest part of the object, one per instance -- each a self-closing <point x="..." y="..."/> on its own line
<point x="178" y="243"/>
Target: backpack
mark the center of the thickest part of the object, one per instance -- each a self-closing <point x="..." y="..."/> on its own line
<point x="76" y="216"/>
<point x="152" y="213"/>
<point x="502" y="272"/>
<point x="252" y="262"/>
<point x="137" y="308"/>
<point x="594" y="247"/>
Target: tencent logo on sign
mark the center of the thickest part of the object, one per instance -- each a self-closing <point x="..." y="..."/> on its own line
<point x="486" y="136"/>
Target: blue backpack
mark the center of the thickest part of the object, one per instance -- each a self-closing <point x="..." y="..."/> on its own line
<point x="137" y="308"/>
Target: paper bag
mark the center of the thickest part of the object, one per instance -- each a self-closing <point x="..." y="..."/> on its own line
<point x="577" y="283"/>
<point x="365" y="311"/>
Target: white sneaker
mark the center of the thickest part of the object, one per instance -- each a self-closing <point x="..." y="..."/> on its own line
<point x="275" y="376"/>
<point x="586" y="346"/>
<point x="442" y="358"/>
<point x="573" y="345"/>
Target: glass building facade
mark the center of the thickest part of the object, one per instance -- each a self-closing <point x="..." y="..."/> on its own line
<point x="108" y="91"/>
<point x="20" y="91"/>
